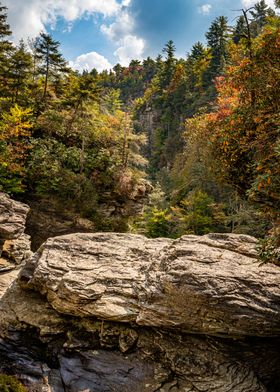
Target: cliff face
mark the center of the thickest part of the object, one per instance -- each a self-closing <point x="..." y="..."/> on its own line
<point x="119" y="312"/>
<point x="49" y="217"/>
<point x="14" y="244"/>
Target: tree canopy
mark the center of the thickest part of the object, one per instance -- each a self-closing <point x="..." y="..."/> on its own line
<point x="203" y="130"/>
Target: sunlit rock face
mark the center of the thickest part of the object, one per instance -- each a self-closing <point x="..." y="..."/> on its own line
<point x="120" y="312"/>
<point x="12" y="217"/>
<point x="14" y="243"/>
<point x="210" y="285"/>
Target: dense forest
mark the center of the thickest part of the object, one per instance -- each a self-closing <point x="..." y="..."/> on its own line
<point x="199" y="134"/>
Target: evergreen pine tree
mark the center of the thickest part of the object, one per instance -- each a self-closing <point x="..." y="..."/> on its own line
<point x="217" y="38"/>
<point x="20" y="73"/>
<point x="6" y="49"/>
<point x="51" y="62"/>
<point x="197" y="51"/>
<point x="5" y="32"/>
<point x="240" y="30"/>
<point x="118" y="69"/>
<point x="259" y="13"/>
<point x="159" y="64"/>
<point x="149" y="66"/>
<point x="169" y="64"/>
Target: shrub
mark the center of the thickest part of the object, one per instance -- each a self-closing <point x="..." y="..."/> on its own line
<point x="10" y="384"/>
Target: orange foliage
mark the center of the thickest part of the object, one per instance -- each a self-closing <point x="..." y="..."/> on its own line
<point x="244" y="126"/>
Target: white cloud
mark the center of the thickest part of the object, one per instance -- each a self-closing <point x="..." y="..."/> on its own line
<point x="131" y="47"/>
<point x="126" y="3"/>
<point x="205" y="9"/>
<point x="90" y="60"/>
<point x="122" y="26"/>
<point x="121" y="32"/>
<point x="28" y="17"/>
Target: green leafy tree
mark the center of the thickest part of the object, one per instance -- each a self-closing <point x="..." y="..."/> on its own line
<point x="150" y="68"/>
<point x="118" y="69"/>
<point x="196" y="66"/>
<point x="80" y="91"/>
<point x="15" y="129"/>
<point x="157" y="223"/>
<point x="200" y="214"/>
<point x="197" y="51"/>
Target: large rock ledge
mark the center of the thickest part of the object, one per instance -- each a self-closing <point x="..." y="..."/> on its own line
<point x="119" y="312"/>
<point x="210" y="285"/>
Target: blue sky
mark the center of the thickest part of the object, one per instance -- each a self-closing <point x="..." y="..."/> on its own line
<point x="100" y="33"/>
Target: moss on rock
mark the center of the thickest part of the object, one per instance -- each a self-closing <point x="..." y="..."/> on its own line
<point x="10" y="384"/>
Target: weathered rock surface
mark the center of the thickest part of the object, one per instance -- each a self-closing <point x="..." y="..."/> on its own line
<point x="14" y="243"/>
<point x="50" y="217"/>
<point x="17" y="250"/>
<point x="7" y="275"/>
<point x="47" y="219"/>
<point x="210" y="285"/>
<point x="12" y="217"/>
<point x="61" y="353"/>
<point x="119" y="312"/>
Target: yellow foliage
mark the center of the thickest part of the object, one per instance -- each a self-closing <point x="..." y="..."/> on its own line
<point x="15" y="129"/>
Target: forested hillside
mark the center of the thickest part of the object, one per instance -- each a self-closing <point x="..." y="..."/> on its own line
<point x="202" y="130"/>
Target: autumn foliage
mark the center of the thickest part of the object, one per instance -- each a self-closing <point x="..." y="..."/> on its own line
<point x="15" y="132"/>
<point x="243" y="130"/>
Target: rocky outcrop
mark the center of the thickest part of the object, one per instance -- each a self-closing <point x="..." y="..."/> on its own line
<point x="17" y="251"/>
<point x="58" y="353"/>
<point x="119" y="312"/>
<point x="12" y="217"/>
<point x="14" y="243"/>
<point x="149" y="121"/>
<point x="210" y="285"/>
<point x="48" y="218"/>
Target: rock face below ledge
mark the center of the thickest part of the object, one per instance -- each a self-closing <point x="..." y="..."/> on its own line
<point x="119" y="312"/>
<point x="14" y="243"/>
<point x="210" y="285"/>
<point x="12" y="217"/>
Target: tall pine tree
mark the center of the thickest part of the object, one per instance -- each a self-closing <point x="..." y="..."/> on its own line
<point x="6" y="49"/>
<point x="240" y="30"/>
<point x="169" y="64"/>
<point x="20" y="74"/>
<point x="259" y="13"/>
<point x="51" y="62"/>
<point x="217" y="38"/>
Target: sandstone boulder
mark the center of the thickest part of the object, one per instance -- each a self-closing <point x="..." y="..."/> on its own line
<point x="12" y="217"/>
<point x="14" y="243"/>
<point x="211" y="285"/>
<point x="117" y="312"/>
<point x="49" y="351"/>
